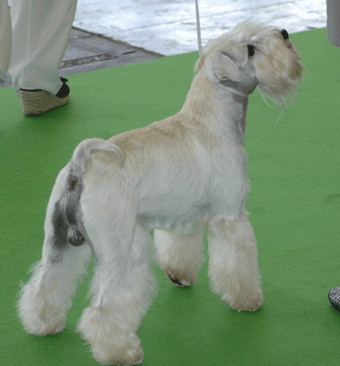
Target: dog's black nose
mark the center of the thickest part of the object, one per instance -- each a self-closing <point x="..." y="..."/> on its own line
<point x="251" y="50"/>
<point x="285" y="34"/>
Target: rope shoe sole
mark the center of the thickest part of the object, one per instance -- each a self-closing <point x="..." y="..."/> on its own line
<point x="36" y="102"/>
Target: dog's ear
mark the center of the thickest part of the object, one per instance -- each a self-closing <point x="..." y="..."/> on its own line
<point x="224" y="68"/>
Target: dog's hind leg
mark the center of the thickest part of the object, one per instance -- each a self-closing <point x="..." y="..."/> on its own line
<point x="45" y="299"/>
<point x="121" y="292"/>
<point x="233" y="267"/>
<point x="180" y="256"/>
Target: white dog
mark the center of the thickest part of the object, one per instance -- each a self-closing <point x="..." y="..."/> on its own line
<point x="180" y="175"/>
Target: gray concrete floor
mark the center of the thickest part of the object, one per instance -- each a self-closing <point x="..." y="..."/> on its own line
<point x="87" y="52"/>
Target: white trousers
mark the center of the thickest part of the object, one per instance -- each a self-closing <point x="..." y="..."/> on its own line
<point x="33" y="39"/>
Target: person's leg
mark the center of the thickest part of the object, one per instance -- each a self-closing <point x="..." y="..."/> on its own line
<point x="5" y="39"/>
<point x="333" y="22"/>
<point x="41" y="29"/>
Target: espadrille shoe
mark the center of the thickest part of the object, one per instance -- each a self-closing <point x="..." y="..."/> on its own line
<point x="334" y="297"/>
<point x="35" y="102"/>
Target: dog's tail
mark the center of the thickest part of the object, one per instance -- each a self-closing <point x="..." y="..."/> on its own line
<point x="67" y="212"/>
<point x="82" y="153"/>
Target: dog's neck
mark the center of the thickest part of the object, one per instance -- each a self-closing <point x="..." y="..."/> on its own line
<point x="222" y="107"/>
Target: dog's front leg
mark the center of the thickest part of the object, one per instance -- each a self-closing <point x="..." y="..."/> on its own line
<point x="180" y="256"/>
<point x="233" y="268"/>
<point x="121" y="288"/>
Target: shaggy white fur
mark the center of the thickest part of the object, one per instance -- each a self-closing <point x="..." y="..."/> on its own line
<point x="176" y="176"/>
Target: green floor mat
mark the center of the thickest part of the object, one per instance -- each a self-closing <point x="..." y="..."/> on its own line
<point x="294" y="205"/>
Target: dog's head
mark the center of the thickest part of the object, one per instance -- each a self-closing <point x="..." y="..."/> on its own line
<point x="251" y="55"/>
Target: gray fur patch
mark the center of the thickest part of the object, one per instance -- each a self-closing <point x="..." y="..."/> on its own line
<point x="60" y="227"/>
<point x="72" y="182"/>
<point x="67" y="216"/>
<point x="75" y="188"/>
<point x="73" y="212"/>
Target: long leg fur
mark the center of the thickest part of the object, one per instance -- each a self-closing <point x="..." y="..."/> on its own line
<point x="46" y="298"/>
<point x="121" y="294"/>
<point x="233" y="267"/>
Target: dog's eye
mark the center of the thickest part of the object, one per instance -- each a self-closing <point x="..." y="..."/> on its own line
<point x="251" y="50"/>
<point x="284" y="34"/>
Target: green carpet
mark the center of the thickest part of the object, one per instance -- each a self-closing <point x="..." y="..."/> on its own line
<point x="294" y="205"/>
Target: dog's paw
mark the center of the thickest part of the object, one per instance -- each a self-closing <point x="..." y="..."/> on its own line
<point x="180" y="279"/>
<point x="109" y="337"/>
<point x="177" y="282"/>
<point x="247" y="303"/>
<point x="39" y="313"/>
<point x="120" y="357"/>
